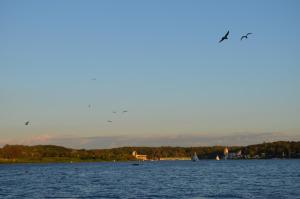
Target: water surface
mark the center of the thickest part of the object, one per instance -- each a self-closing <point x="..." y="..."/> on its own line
<point x="164" y="179"/>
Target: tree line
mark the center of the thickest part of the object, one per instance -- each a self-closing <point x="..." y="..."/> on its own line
<point x="52" y="153"/>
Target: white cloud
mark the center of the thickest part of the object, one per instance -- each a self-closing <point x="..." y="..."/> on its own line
<point x="174" y="140"/>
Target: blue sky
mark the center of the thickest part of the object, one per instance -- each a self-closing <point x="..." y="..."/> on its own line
<point x="161" y="61"/>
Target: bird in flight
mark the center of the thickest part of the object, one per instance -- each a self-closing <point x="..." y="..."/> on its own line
<point x="224" y="37"/>
<point x="125" y="111"/>
<point x="109" y="121"/>
<point x="27" y="123"/>
<point x="114" y="112"/>
<point x="245" y="36"/>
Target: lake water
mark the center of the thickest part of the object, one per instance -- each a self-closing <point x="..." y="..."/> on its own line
<point x="164" y="179"/>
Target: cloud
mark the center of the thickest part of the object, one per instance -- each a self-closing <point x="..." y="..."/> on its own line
<point x="38" y="139"/>
<point x="237" y="139"/>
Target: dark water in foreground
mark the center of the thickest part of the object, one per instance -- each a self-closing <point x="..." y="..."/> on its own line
<point x="178" y="179"/>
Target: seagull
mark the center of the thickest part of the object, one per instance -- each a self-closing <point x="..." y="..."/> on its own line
<point x="245" y="36"/>
<point x="125" y="111"/>
<point x="224" y="37"/>
<point x="109" y="121"/>
<point x="27" y="123"/>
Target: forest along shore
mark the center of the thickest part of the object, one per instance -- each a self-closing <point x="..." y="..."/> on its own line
<point x="52" y="153"/>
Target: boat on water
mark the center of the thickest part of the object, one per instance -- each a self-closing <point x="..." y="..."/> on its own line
<point x="135" y="164"/>
<point x="217" y="158"/>
<point x="195" y="157"/>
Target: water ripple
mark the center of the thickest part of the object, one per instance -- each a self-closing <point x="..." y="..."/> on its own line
<point x="174" y="179"/>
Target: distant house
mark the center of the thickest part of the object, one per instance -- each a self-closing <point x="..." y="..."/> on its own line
<point x="239" y="154"/>
<point x="139" y="156"/>
<point x="232" y="156"/>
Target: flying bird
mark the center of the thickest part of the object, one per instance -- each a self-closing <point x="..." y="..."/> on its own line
<point x="114" y="112"/>
<point x="245" y="36"/>
<point x="109" y="121"/>
<point x="224" y="37"/>
<point x="125" y="111"/>
<point x="27" y="123"/>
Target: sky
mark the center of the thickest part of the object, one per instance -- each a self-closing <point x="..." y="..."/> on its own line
<point x="160" y="60"/>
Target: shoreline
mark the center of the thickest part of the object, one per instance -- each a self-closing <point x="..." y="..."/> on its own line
<point x="130" y="161"/>
<point x="11" y="154"/>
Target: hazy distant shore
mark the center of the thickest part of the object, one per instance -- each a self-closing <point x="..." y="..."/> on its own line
<point x="57" y="154"/>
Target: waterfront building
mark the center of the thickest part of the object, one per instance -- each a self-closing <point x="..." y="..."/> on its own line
<point x="139" y="156"/>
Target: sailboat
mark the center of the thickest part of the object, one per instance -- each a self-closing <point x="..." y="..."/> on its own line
<point x="217" y="158"/>
<point x="195" y="157"/>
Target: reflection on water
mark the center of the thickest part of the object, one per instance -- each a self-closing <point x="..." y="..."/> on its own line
<point x="170" y="179"/>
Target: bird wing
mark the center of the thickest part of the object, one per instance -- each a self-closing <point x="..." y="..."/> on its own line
<point x="249" y="33"/>
<point x="243" y="37"/>
<point x="224" y="37"/>
<point x="227" y="33"/>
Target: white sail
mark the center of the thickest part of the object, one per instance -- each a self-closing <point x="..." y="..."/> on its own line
<point x="195" y="157"/>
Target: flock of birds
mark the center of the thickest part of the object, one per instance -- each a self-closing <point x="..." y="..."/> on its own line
<point x="125" y="111"/>
<point x="27" y="123"/>
<point x="227" y="33"/>
<point x="115" y="112"/>
<point x="89" y="106"/>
